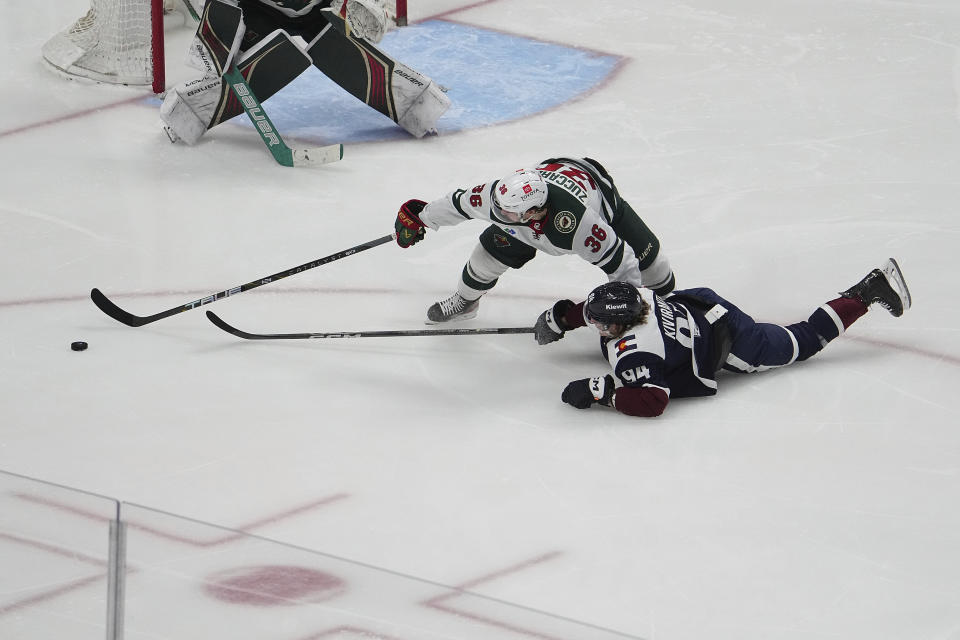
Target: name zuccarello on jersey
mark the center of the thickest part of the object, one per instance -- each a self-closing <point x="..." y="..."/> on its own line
<point x="566" y="183"/>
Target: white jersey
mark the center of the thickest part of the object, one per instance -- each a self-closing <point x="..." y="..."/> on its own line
<point x="578" y="220"/>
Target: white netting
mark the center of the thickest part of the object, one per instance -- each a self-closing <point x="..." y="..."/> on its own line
<point x="111" y="43"/>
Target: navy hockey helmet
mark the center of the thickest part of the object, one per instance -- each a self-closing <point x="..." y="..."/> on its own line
<point x="616" y="303"/>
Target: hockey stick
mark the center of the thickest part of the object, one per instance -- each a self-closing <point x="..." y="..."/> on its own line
<point x="283" y="154"/>
<point x="217" y="320"/>
<point x="108" y="307"/>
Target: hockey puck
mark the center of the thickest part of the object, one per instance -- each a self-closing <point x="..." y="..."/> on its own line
<point x="78" y="346"/>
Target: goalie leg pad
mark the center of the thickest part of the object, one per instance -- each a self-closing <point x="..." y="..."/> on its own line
<point x="269" y="66"/>
<point x="419" y="101"/>
<point x="402" y="94"/>
<point x="191" y="108"/>
<point x="365" y="19"/>
<point x="218" y="37"/>
<point x="188" y="108"/>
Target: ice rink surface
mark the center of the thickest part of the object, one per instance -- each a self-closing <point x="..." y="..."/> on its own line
<point x="779" y="150"/>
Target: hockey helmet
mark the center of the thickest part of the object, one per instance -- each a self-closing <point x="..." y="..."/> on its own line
<point x="517" y="193"/>
<point x="617" y="303"/>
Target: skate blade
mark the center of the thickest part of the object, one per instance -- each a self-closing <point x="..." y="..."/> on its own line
<point x="460" y="318"/>
<point x="895" y="277"/>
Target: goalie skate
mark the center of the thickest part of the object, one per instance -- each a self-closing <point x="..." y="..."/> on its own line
<point x="884" y="286"/>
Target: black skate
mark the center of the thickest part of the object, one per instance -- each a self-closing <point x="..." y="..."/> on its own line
<point x="885" y="286"/>
<point x="456" y="307"/>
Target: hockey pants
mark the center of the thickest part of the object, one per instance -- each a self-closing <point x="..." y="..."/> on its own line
<point x="757" y="346"/>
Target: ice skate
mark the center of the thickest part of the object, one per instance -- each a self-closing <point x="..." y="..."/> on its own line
<point x="456" y="307"/>
<point x="884" y="285"/>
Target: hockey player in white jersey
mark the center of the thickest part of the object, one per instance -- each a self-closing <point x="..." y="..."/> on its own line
<point x="564" y="206"/>
<point x="263" y="39"/>
<point x="661" y="348"/>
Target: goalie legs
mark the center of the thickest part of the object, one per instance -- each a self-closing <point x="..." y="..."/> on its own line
<point x="407" y="97"/>
<point x="191" y="108"/>
<point x="232" y="32"/>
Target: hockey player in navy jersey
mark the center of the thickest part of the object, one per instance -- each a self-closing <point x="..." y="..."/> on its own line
<point x="662" y="348"/>
<point x="271" y="42"/>
<point x="565" y="206"/>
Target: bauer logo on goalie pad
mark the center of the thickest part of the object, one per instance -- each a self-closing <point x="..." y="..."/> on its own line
<point x="198" y="90"/>
<point x="409" y="77"/>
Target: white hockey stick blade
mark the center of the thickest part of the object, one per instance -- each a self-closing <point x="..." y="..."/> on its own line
<point x="317" y="155"/>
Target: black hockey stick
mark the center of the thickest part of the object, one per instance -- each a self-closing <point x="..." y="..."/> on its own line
<point x="108" y="307"/>
<point x="217" y="320"/>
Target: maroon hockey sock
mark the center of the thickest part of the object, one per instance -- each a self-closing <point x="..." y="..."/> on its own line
<point x="828" y="322"/>
<point x="849" y="310"/>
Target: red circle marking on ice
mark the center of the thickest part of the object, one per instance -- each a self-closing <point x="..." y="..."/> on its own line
<point x="273" y="585"/>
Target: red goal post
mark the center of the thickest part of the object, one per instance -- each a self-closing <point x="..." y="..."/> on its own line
<point x="122" y="41"/>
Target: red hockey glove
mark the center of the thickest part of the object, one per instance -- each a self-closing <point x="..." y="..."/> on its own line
<point x="410" y="228"/>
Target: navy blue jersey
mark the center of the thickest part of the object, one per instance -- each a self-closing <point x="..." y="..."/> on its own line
<point x="689" y="335"/>
<point x="669" y="352"/>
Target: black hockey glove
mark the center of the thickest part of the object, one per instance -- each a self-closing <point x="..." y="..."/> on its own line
<point x="551" y="326"/>
<point x="583" y="393"/>
<point x="409" y="226"/>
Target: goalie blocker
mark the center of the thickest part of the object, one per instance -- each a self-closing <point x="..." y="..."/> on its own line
<point x="229" y="31"/>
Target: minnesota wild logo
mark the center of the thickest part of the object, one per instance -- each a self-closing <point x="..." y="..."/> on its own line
<point x="565" y="222"/>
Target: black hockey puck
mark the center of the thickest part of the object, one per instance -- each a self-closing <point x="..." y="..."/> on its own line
<point x="78" y="346"/>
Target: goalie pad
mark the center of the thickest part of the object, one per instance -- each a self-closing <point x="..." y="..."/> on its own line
<point x="404" y="95"/>
<point x="218" y="37"/>
<point x="419" y="101"/>
<point x="191" y="108"/>
<point x="187" y="109"/>
<point x="365" y="19"/>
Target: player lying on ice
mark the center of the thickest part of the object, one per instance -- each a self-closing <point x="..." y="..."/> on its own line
<point x="564" y="206"/>
<point x="672" y="347"/>
<point x="258" y="37"/>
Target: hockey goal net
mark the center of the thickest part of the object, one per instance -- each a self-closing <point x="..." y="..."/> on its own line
<point x="121" y="41"/>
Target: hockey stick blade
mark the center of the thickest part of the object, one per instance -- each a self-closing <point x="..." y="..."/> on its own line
<point x="108" y="307"/>
<point x="220" y="323"/>
<point x="315" y="156"/>
<point x="111" y="309"/>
